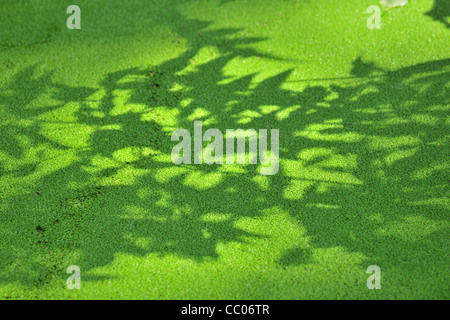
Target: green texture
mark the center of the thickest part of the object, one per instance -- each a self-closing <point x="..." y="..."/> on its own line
<point x="86" y="176"/>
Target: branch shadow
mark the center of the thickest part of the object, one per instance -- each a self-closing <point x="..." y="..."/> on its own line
<point x="440" y="12"/>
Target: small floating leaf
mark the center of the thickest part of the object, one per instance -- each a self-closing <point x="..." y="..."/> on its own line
<point x="393" y="3"/>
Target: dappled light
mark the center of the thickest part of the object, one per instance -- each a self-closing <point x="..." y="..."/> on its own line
<point x="363" y="164"/>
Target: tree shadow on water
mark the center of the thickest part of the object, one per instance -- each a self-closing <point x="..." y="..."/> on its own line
<point x="382" y="141"/>
<point x="96" y="204"/>
<point x="357" y="161"/>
